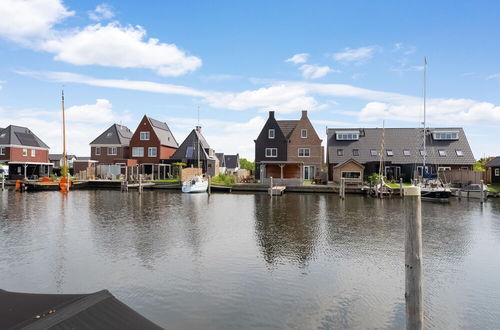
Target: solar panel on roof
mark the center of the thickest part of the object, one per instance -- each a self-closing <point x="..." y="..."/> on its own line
<point x="27" y="139"/>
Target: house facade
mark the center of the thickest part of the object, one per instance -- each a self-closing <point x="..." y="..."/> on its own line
<point x="290" y="151"/>
<point x="493" y="171"/>
<point x="57" y="160"/>
<point x="400" y="150"/>
<point x="26" y="155"/>
<point x="195" y="151"/>
<point x="111" y="146"/>
<point x="232" y="163"/>
<point x="152" y="142"/>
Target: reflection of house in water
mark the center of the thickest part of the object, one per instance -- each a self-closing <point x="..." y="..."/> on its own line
<point x="287" y="227"/>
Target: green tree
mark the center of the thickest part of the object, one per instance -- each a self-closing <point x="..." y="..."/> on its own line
<point x="480" y="164"/>
<point x="246" y="164"/>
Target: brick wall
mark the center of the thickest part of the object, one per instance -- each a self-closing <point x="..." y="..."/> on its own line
<point x="15" y="154"/>
<point x="313" y="142"/>
<point x="104" y="158"/>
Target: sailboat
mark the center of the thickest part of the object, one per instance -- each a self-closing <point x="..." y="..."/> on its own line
<point x="431" y="187"/>
<point x="197" y="184"/>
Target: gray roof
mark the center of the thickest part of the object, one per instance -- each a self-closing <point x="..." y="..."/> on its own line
<point x="21" y="136"/>
<point x="494" y="162"/>
<point x="163" y="133"/>
<point x="59" y="156"/>
<point x="83" y="158"/>
<point x="398" y="140"/>
<point x="189" y="148"/>
<point x="115" y="134"/>
<point x="287" y="126"/>
<point x="232" y="161"/>
<point x="220" y="157"/>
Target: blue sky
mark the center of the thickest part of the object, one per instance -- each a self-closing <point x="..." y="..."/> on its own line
<point x="351" y="64"/>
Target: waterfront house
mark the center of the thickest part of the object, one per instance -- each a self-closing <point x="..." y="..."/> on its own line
<point x="403" y="151"/>
<point x="222" y="163"/>
<point x="350" y="170"/>
<point x="83" y="164"/>
<point x="493" y="170"/>
<point x="232" y="163"/>
<point x="195" y="151"/>
<point x="25" y="153"/>
<point x="111" y="146"/>
<point x="290" y="151"/>
<point x="57" y="160"/>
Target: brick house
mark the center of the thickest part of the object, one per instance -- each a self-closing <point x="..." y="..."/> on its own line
<point x="25" y="153"/>
<point x="112" y="146"/>
<point x="290" y="151"/>
<point x="151" y="144"/>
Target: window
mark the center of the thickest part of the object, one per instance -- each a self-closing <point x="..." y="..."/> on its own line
<point x="109" y="134"/>
<point x="137" y="152"/>
<point x="25" y="152"/>
<point x="442" y="153"/>
<point x="303" y="133"/>
<point x="189" y="152"/>
<point x="460" y="153"/>
<point x="390" y="153"/>
<point x="33" y="153"/>
<point x="497" y="171"/>
<point x="340" y="152"/>
<point x="270" y="133"/>
<point x="2" y="150"/>
<point x="347" y="135"/>
<point x="304" y="152"/>
<point x="423" y="153"/>
<point x="406" y="152"/>
<point x="445" y="135"/>
<point x="271" y="152"/>
<point x="97" y="151"/>
<point x="152" y="152"/>
<point x="355" y="152"/>
<point x="112" y="151"/>
<point x="351" y="175"/>
<point x="2" y="135"/>
<point x="144" y="136"/>
<point x="373" y="152"/>
<point x="444" y="168"/>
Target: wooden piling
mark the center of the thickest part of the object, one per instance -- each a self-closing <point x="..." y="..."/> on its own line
<point x="271" y="188"/>
<point x="3" y="182"/>
<point x="413" y="263"/>
<point x="482" y="192"/>
<point x="401" y="187"/>
<point x="209" y="185"/>
<point x="140" y="183"/>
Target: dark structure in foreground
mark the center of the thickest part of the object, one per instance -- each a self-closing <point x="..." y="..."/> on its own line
<point x="100" y="310"/>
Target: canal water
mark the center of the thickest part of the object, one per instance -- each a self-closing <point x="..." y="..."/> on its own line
<point x="247" y="261"/>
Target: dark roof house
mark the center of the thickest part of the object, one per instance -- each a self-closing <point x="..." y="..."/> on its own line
<point x="18" y="136"/>
<point x="112" y="145"/>
<point x="220" y="157"/>
<point x="115" y="135"/>
<point x="232" y="161"/>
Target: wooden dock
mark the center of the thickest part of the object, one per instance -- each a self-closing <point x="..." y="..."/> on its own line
<point x="276" y="190"/>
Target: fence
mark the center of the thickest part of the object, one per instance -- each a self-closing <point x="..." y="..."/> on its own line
<point x="189" y="173"/>
<point x="461" y="177"/>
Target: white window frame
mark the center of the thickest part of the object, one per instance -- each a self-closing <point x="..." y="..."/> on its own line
<point x="25" y="152"/>
<point x="352" y="135"/>
<point x="112" y="151"/>
<point x="271" y="152"/>
<point x="442" y="153"/>
<point x="342" y="174"/>
<point x="497" y="171"/>
<point x="150" y="154"/>
<point x="340" y="152"/>
<point x="303" y="133"/>
<point x="406" y="152"/>
<point x="97" y="151"/>
<point x="269" y="135"/>
<point x="445" y="135"/>
<point x="306" y="152"/>
<point x="140" y="154"/>
<point x="144" y="136"/>
<point x="444" y="168"/>
<point x="459" y="152"/>
<point x="109" y="134"/>
<point x="372" y="152"/>
<point x="389" y="152"/>
<point x="33" y="152"/>
<point x="355" y="152"/>
<point x="2" y="151"/>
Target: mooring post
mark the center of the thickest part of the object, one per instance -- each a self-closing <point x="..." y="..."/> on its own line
<point x="140" y="183"/>
<point x="209" y="185"/>
<point x="482" y="191"/>
<point x="3" y="182"/>
<point x="401" y="187"/>
<point x="413" y="263"/>
<point x="271" y="189"/>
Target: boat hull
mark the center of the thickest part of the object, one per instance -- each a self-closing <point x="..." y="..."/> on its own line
<point x="437" y="195"/>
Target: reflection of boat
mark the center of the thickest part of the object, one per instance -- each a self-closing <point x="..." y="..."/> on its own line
<point x="472" y="191"/>
<point x="195" y="185"/>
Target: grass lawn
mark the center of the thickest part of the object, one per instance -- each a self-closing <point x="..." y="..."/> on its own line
<point x="494" y="187"/>
<point x="166" y="181"/>
<point x="223" y="180"/>
<point x="396" y="185"/>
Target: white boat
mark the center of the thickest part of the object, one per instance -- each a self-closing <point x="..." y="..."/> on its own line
<point x="472" y="191"/>
<point x="195" y="185"/>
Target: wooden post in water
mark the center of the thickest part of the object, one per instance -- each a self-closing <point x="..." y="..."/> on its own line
<point x="3" y="182"/>
<point x="401" y="187"/>
<point x="482" y="192"/>
<point x="209" y="185"/>
<point x="140" y="183"/>
<point x="413" y="263"/>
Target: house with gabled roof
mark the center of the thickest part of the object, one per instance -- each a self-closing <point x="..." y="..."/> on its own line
<point x="493" y="170"/>
<point x="57" y="160"/>
<point x="112" y="145"/>
<point x="222" y="163"/>
<point x="289" y="151"/>
<point x="25" y="153"/>
<point x="403" y="151"/>
<point x="152" y="144"/>
<point x="232" y="163"/>
<point x="195" y="151"/>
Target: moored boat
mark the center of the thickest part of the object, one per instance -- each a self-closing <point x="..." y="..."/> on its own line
<point x="195" y="185"/>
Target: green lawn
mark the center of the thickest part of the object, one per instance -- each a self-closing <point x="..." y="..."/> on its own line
<point x="494" y="187"/>
<point x="396" y="185"/>
<point x="223" y="180"/>
<point x="166" y="181"/>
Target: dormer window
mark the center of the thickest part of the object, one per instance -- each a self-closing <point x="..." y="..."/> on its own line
<point x="348" y="135"/>
<point x="460" y="153"/>
<point x="442" y="153"/>
<point x="303" y="133"/>
<point x="144" y="136"/>
<point x="445" y="135"/>
<point x="373" y="152"/>
<point x="270" y="133"/>
<point x="390" y="153"/>
<point x="406" y="152"/>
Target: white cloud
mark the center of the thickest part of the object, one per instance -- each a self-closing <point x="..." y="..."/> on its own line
<point x="355" y="55"/>
<point x="114" y="45"/>
<point x="298" y="58"/>
<point x="21" y="20"/>
<point x="102" y="12"/>
<point x="312" y="71"/>
<point x="493" y="76"/>
<point x="100" y="112"/>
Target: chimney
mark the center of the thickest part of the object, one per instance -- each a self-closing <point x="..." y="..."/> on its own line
<point x="271" y="114"/>
<point x="198" y="129"/>
<point x="304" y="114"/>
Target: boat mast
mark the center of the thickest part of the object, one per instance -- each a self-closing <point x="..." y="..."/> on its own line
<point x="198" y="137"/>
<point x="425" y="129"/>
<point x="65" y="156"/>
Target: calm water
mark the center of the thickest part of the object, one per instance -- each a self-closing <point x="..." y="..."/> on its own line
<point x="249" y="261"/>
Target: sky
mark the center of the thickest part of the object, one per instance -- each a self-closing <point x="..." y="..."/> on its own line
<point x="350" y="64"/>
